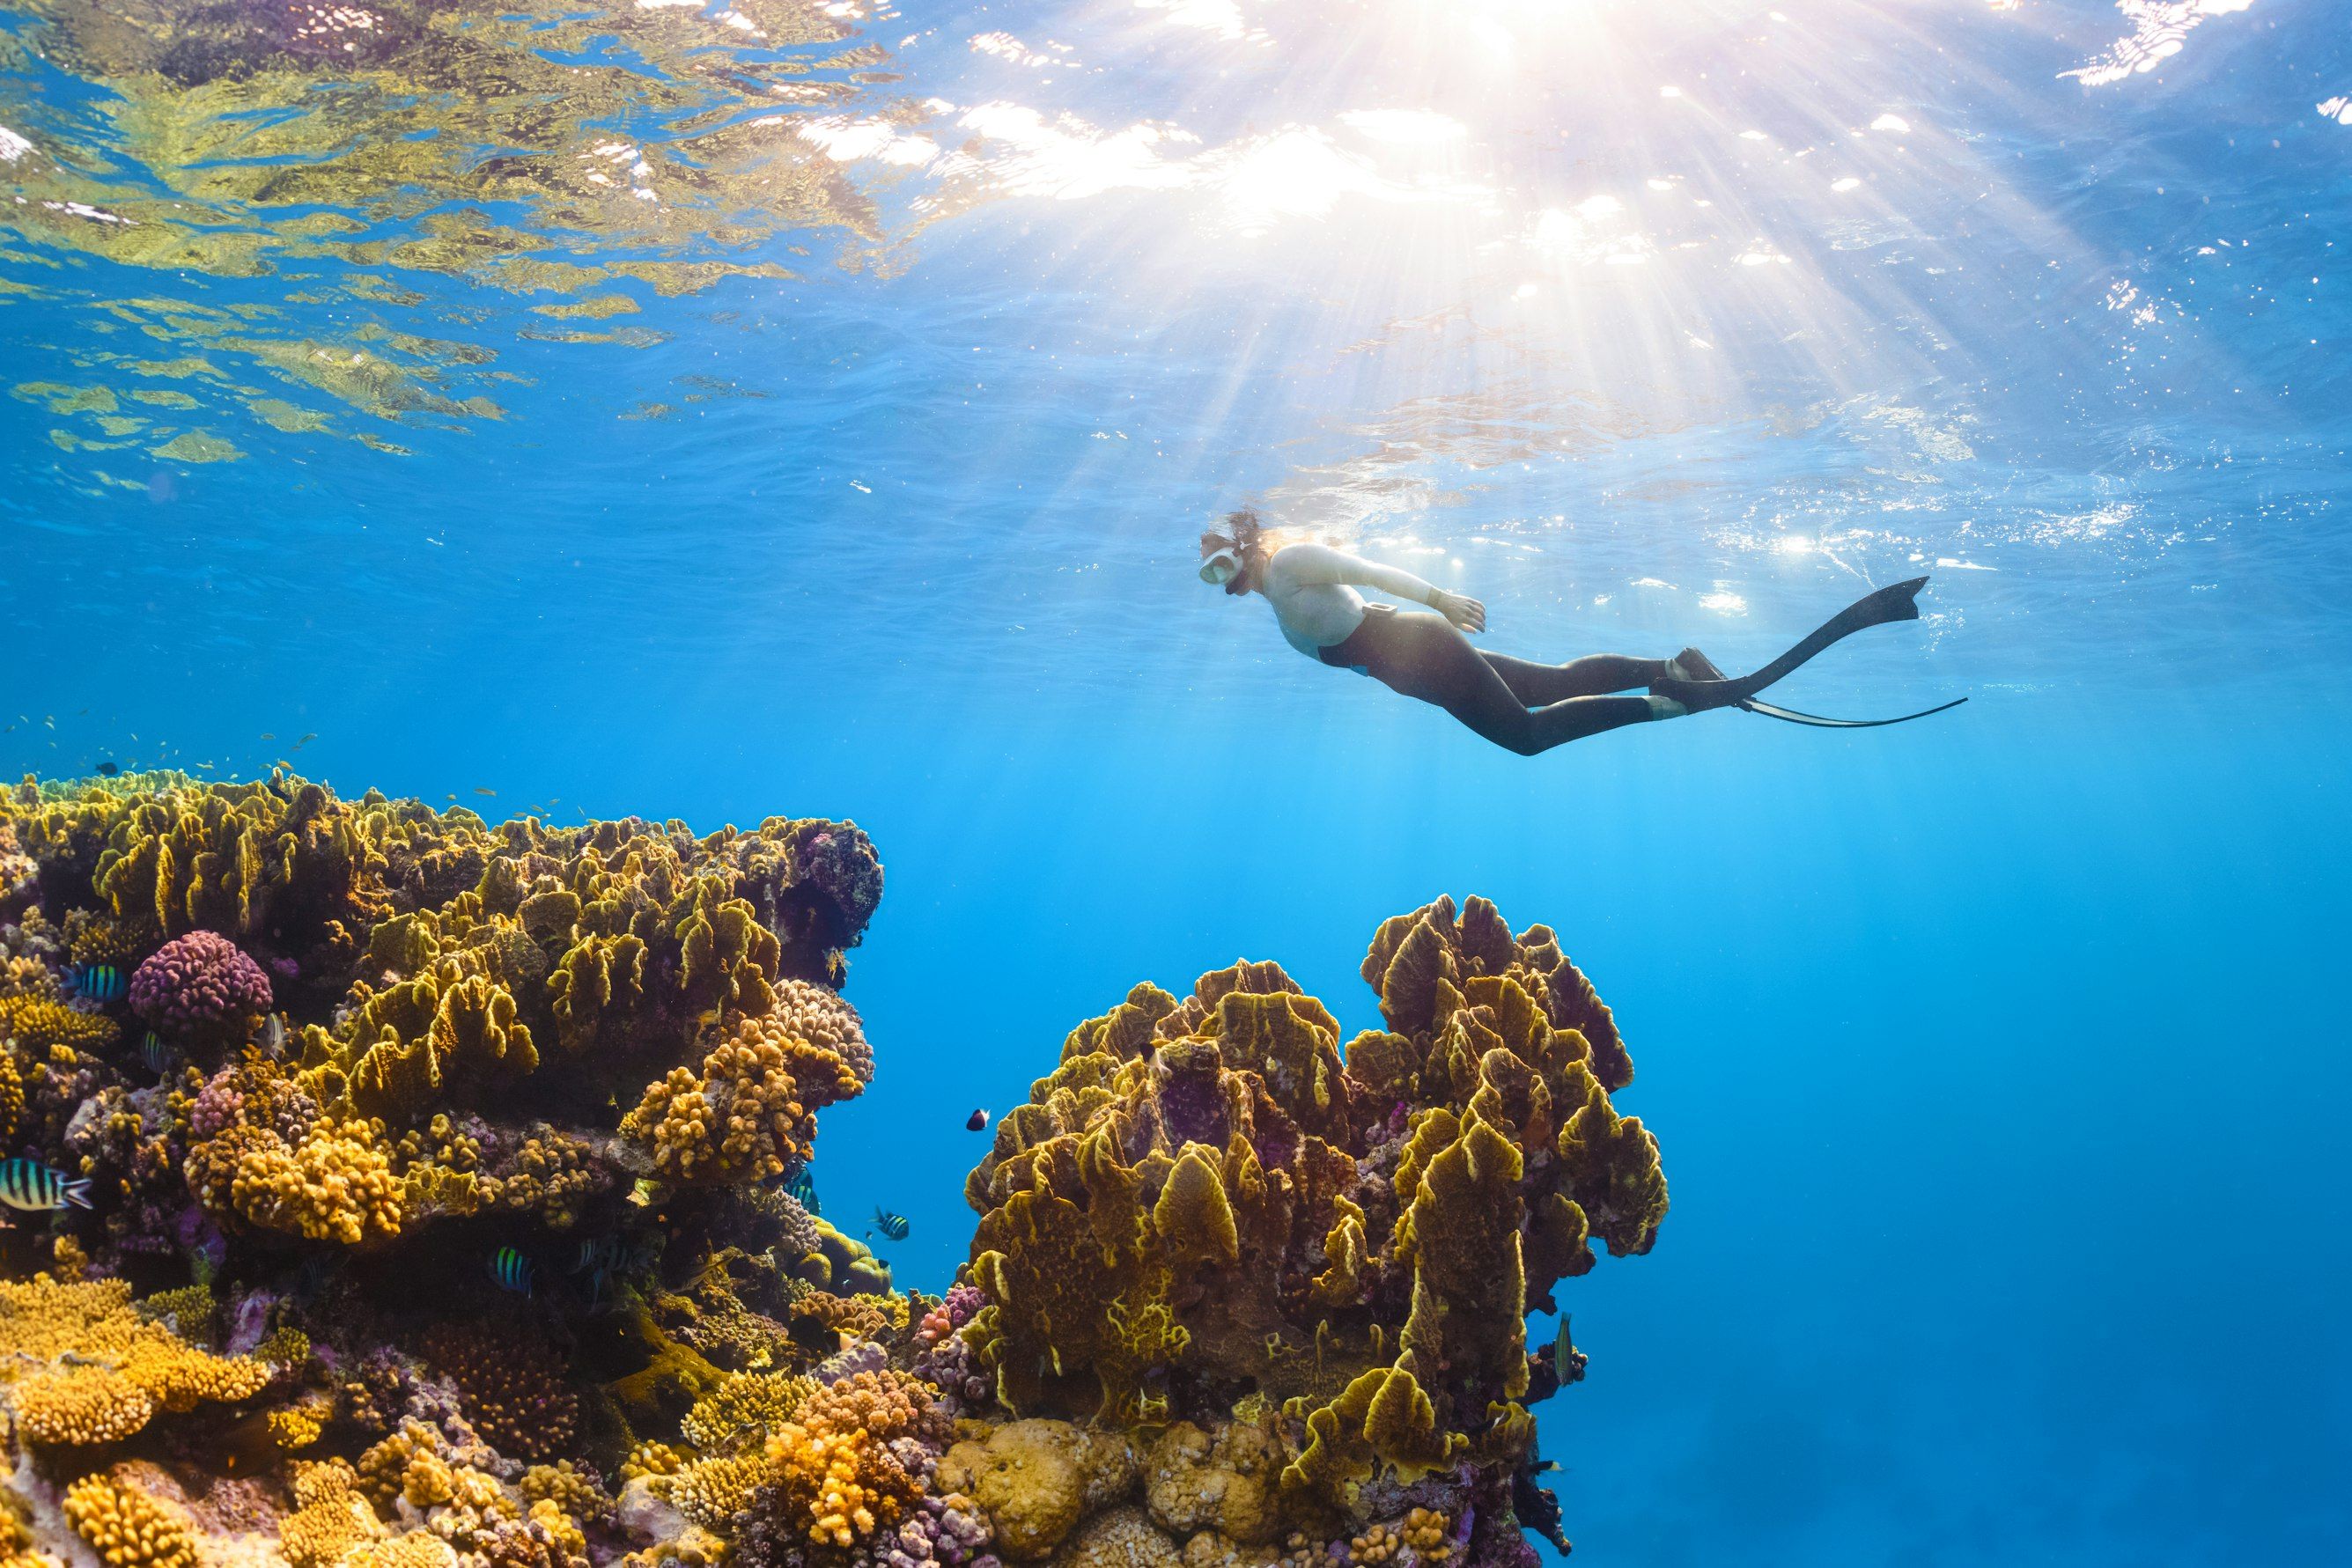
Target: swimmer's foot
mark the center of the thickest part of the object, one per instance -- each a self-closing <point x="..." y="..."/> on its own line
<point x="1693" y="684"/>
<point x="1690" y="664"/>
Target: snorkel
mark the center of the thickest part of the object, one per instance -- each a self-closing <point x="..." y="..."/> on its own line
<point x="1228" y="557"/>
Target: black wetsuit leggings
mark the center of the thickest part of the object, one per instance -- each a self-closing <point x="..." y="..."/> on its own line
<point x="1522" y="706"/>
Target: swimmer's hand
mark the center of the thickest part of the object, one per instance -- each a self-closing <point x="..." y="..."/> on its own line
<point x="1461" y="609"/>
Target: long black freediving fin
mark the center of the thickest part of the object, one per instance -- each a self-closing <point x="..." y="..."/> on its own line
<point x="1898" y="602"/>
<point x="1792" y="717"/>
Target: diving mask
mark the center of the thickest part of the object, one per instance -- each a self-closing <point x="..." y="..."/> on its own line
<point x="1220" y="567"/>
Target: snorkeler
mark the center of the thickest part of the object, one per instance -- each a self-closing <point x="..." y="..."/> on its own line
<point x="1520" y="706"/>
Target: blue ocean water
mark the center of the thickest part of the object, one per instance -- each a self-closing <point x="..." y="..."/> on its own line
<point x="1998" y="1060"/>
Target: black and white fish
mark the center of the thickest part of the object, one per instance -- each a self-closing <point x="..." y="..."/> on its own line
<point x="893" y="1226"/>
<point x="34" y="1188"/>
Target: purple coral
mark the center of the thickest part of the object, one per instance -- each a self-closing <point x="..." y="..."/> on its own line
<point x="840" y="859"/>
<point x="937" y="1534"/>
<point x="966" y="1385"/>
<point x="201" y="985"/>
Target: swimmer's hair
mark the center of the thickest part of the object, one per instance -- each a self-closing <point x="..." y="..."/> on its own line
<point x="1241" y="533"/>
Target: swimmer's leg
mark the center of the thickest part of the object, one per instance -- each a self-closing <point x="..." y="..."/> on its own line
<point x="1423" y="656"/>
<point x="1540" y="685"/>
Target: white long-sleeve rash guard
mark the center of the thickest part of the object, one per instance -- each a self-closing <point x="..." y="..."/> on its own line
<point x="1313" y="591"/>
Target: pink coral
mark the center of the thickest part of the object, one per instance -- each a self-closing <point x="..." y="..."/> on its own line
<point x="202" y="986"/>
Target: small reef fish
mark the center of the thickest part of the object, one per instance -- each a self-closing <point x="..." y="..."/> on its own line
<point x="596" y="1254"/>
<point x="512" y="1269"/>
<point x="599" y="1257"/>
<point x="801" y="1187"/>
<point x="893" y="1226"/>
<point x="480" y="791"/>
<point x="267" y="736"/>
<point x="156" y="1054"/>
<point x="976" y="1123"/>
<point x="101" y="983"/>
<point x="30" y="1185"/>
<point x="273" y="1034"/>
<point x="106" y="769"/>
<point x="1567" y="1361"/>
<point x="305" y="741"/>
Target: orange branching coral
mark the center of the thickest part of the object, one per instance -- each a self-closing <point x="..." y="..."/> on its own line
<point x="90" y="1369"/>
<point x="832" y="1474"/>
<point x="331" y="1183"/>
<point x="331" y="1515"/>
<point x="819" y="1019"/>
<point x="741" y="1120"/>
<point x="127" y="1526"/>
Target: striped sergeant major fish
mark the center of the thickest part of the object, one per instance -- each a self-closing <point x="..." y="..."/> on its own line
<point x="596" y="1255"/>
<point x="156" y="1054"/>
<point x="801" y="1187"/>
<point x="893" y="1226"/>
<point x="101" y="983"/>
<point x="512" y="1269"/>
<point x="34" y="1188"/>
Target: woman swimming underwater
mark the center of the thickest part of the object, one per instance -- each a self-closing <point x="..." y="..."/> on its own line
<point x="1521" y="705"/>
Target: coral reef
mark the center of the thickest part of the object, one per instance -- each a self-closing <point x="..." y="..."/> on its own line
<point x="457" y="1178"/>
<point x="1209" y="1208"/>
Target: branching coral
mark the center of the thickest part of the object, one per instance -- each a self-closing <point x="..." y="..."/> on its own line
<point x="126" y="1527"/>
<point x="330" y="1516"/>
<point x="744" y="1408"/>
<point x="512" y="1386"/>
<point x="92" y="1370"/>
<point x="42" y="1025"/>
<point x="849" y="1463"/>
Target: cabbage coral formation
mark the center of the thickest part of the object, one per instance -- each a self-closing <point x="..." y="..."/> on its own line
<point x="433" y="969"/>
<point x="1207" y="1203"/>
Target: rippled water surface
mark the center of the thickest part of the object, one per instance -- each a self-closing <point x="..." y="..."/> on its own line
<point x="718" y="409"/>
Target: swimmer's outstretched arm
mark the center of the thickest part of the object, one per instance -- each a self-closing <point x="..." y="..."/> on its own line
<point x="1309" y="563"/>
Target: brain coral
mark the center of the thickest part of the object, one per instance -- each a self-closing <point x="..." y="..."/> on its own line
<point x="1208" y="1198"/>
<point x="201" y="987"/>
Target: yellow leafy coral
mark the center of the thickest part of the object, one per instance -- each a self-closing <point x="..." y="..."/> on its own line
<point x="1210" y="1187"/>
<point x="90" y="1369"/>
<point x="127" y="1526"/>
